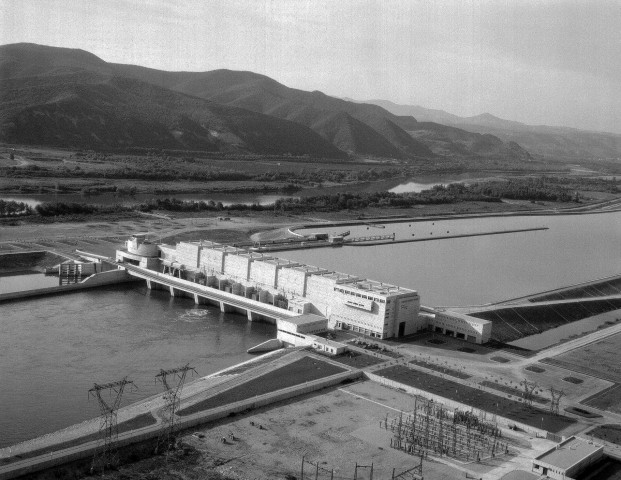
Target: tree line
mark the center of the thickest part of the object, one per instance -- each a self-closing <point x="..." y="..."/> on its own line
<point x="493" y="191"/>
<point x="11" y="208"/>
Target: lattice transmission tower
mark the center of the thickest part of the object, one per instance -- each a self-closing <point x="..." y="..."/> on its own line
<point x="555" y="400"/>
<point x="106" y="454"/>
<point x="529" y="392"/>
<point x="173" y="381"/>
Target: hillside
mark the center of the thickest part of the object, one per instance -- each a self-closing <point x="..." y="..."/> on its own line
<point x="70" y="98"/>
<point x="457" y="142"/>
<point x="314" y="109"/>
<point x="547" y="141"/>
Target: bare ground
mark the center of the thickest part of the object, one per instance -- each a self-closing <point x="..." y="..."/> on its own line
<point x="337" y="428"/>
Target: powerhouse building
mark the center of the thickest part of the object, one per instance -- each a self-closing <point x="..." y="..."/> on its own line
<point x="348" y="302"/>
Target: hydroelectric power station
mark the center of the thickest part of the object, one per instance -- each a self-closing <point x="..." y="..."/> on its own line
<point x="270" y="288"/>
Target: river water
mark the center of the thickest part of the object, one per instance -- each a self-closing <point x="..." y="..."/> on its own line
<point x="53" y="349"/>
<point x="30" y="280"/>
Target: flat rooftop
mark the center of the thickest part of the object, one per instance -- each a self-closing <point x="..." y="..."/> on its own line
<point x="308" y="268"/>
<point x="568" y="453"/>
<point x="366" y="285"/>
<point x="210" y="244"/>
<point x="228" y="249"/>
<point x="279" y="262"/>
<point x="253" y="255"/>
<point x="304" y="319"/>
<point x="339" y="277"/>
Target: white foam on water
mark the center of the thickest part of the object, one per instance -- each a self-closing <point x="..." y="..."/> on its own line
<point x="194" y="315"/>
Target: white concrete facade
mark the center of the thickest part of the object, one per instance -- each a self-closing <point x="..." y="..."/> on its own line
<point x="302" y="331"/>
<point x="465" y="327"/>
<point x="348" y="302"/>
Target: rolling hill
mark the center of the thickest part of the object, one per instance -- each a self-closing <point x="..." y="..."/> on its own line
<point x="357" y="126"/>
<point x="548" y="141"/>
<point x="72" y="98"/>
<point x="354" y="127"/>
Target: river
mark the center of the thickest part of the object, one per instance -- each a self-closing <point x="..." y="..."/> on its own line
<point x="52" y="350"/>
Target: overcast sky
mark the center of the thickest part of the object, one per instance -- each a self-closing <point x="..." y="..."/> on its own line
<point x="555" y="62"/>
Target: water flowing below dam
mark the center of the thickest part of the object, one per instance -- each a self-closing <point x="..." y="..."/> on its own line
<point x="54" y="349"/>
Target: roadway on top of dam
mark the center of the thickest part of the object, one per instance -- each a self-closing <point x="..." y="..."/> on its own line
<point x="198" y="291"/>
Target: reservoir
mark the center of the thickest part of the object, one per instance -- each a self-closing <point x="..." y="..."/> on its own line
<point x="481" y="269"/>
<point x="53" y="349"/>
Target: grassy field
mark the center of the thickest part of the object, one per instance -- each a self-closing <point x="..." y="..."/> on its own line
<point x="300" y="371"/>
<point x="599" y="359"/>
<point x="610" y="433"/>
<point x="357" y="360"/>
<point x="442" y="369"/>
<point x="516" y="391"/>
<point x="480" y="399"/>
<point x="608" y="399"/>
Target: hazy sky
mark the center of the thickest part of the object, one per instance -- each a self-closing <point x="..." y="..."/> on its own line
<point x="555" y="62"/>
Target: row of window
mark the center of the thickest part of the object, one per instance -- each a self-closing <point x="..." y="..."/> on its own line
<point x="366" y="297"/>
<point x="356" y="328"/>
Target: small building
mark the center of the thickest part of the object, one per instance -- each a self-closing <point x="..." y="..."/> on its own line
<point x="140" y="251"/>
<point x="453" y="324"/>
<point x="328" y="346"/>
<point x="293" y="330"/>
<point x="568" y="459"/>
<point x="301" y="331"/>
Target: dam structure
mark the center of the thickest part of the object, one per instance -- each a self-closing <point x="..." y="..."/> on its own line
<point x="269" y="288"/>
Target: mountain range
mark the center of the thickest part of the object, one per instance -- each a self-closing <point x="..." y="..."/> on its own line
<point x="543" y="140"/>
<point x="72" y="98"/>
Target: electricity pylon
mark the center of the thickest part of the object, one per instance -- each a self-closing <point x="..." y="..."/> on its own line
<point x="529" y="389"/>
<point x="173" y="381"/>
<point x="555" y="400"/>
<point x="106" y="454"/>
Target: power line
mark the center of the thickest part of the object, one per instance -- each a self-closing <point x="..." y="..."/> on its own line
<point x="172" y="380"/>
<point x="106" y="454"/>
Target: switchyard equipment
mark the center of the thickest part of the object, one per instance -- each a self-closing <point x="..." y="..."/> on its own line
<point x="106" y="454"/>
<point x="456" y="434"/>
